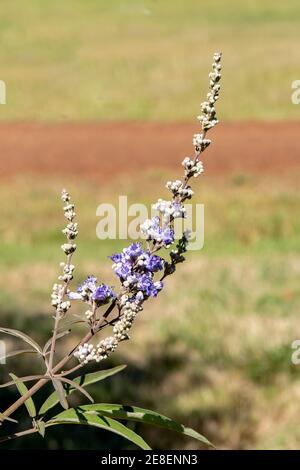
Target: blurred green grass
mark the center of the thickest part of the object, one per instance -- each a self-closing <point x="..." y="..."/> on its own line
<point x="214" y="349"/>
<point x="146" y="59"/>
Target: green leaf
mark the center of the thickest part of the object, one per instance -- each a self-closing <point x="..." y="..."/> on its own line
<point x="83" y="381"/>
<point x="16" y="353"/>
<point x="94" y="377"/>
<point x="60" y="393"/>
<point x="24" y="337"/>
<point x="23" y="389"/>
<point x="77" y="387"/>
<point x="41" y="427"/>
<point x="28" y="378"/>
<point x="133" y="413"/>
<point x="76" y="416"/>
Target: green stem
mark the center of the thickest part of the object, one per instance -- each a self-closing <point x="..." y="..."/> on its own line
<point x="59" y="366"/>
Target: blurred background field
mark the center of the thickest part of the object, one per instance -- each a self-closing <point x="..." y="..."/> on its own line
<point x="147" y="60"/>
<point x="214" y="350"/>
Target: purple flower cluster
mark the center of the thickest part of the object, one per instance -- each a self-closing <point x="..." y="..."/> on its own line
<point x="101" y="294"/>
<point x="136" y="268"/>
<point x="152" y="230"/>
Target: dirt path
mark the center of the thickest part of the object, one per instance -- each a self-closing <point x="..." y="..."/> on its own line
<point x="93" y="149"/>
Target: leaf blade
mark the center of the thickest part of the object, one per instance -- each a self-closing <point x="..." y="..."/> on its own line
<point x="41" y="428"/>
<point x="77" y="387"/>
<point x="23" y="390"/>
<point x="94" y="377"/>
<point x="75" y="416"/>
<point x="134" y="413"/>
<point x="16" y="353"/>
<point x="27" y="378"/>
<point x="59" y="389"/>
<point x="23" y="336"/>
<point x="83" y="381"/>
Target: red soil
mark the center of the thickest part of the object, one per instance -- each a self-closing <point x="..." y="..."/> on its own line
<point x="94" y="149"/>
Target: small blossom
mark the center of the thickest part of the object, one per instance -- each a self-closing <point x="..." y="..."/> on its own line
<point x="71" y="231"/>
<point x="147" y="286"/>
<point x="169" y="209"/>
<point x="200" y="143"/>
<point x="74" y="296"/>
<point x="152" y="230"/>
<point x="133" y="251"/>
<point x="179" y="189"/>
<point x="192" y="167"/>
<point x="152" y="263"/>
<point x="208" y="117"/>
<point x="89" y="314"/>
<point x="65" y="195"/>
<point x="89" y="283"/>
<point x="68" y="248"/>
<point x="89" y="290"/>
<point x="103" y="294"/>
<point x="86" y="353"/>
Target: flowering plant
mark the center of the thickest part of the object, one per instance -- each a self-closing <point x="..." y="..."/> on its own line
<point x="141" y="272"/>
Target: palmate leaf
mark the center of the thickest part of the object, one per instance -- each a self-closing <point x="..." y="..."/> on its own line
<point x="23" y="336"/>
<point x="83" y="381"/>
<point x="134" y="413"/>
<point x="23" y="389"/>
<point x="76" y="416"/>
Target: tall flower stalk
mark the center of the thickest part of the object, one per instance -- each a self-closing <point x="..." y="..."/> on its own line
<point x="141" y="272"/>
<point x="137" y="267"/>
